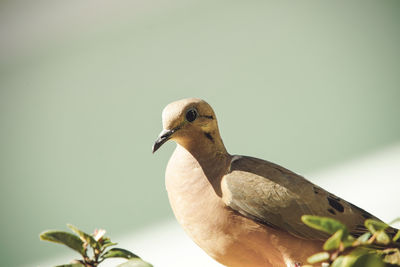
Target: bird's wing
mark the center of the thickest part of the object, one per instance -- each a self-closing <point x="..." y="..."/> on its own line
<point x="275" y="196"/>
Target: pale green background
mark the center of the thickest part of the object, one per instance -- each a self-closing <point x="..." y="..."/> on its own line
<point x="307" y="84"/>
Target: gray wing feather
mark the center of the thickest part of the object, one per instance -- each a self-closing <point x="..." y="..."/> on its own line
<point x="275" y="196"/>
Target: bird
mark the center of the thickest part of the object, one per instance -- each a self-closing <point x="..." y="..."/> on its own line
<point x="242" y="211"/>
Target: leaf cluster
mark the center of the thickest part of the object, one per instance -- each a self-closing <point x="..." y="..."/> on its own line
<point x="375" y="248"/>
<point x="94" y="248"/>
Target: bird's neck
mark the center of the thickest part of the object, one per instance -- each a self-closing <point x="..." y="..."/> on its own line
<point x="211" y="155"/>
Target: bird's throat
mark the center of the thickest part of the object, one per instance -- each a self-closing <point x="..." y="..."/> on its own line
<point x="210" y="159"/>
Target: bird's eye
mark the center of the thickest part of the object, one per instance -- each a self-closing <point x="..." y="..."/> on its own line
<point x="191" y="115"/>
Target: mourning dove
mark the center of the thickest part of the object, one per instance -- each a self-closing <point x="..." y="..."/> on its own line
<point x="242" y="211"/>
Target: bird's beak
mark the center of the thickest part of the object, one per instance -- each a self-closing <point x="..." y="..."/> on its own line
<point x="164" y="136"/>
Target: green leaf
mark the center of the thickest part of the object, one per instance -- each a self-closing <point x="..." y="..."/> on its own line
<point x="106" y="242"/>
<point x="344" y="261"/>
<point x="333" y="242"/>
<point x="135" y="263"/>
<point x="71" y="265"/>
<point x="394" y="221"/>
<point x="325" y="224"/>
<point x="382" y="237"/>
<point x="362" y="239"/>
<point x="338" y="262"/>
<point x="85" y="237"/>
<point x="318" y="257"/>
<point x="392" y="256"/>
<point x="348" y="241"/>
<point x="368" y="260"/>
<point x="397" y="236"/>
<point x="359" y="257"/>
<point x="119" y="253"/>
<point x="68" y="239"/>
<point x="373" y="225"/>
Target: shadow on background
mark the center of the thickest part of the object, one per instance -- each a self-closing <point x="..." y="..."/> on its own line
<point x="304" y="84"/>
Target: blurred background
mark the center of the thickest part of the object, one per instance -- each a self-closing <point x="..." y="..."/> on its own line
<point x="307" y="84"/>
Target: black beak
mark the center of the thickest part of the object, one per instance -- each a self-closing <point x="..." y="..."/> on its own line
<point x="164" y="136"/>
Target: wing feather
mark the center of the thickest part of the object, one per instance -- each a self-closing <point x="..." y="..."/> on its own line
<point x="277" y="197"/>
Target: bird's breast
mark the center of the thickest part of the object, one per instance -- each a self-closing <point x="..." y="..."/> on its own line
<point x="228" y="237"/>
<point x="195" y="204"/>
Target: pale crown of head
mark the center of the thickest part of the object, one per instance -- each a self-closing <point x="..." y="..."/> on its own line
<point x="175" y="115"/>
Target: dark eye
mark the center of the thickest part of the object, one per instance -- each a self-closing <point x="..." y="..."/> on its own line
<point x="191" y="115"/>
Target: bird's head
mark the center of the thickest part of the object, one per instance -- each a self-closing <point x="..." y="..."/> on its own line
<point x="188" y="121"/>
